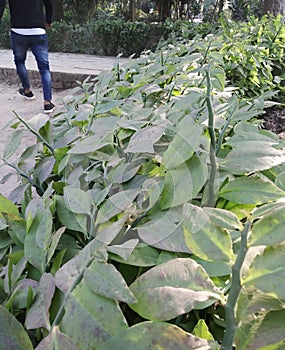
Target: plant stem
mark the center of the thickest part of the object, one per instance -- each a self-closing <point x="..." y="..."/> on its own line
<point x="24" y="175"/>
<point x="228" y="339"/>
<point x="213" y="164"/>
<point x="36" y="133"/>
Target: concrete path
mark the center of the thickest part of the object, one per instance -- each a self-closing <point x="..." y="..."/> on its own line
<point x="66" y="68"/>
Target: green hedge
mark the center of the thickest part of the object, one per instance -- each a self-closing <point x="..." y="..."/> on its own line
<point x="110" y="37"/>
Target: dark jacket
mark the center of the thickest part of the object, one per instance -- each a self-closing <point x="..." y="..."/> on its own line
<point x="28" y="13"/>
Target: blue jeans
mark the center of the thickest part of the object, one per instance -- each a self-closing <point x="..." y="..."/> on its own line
<point x="39" y="46"/>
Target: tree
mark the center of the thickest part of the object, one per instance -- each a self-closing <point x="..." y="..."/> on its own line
<point x="274" y="6"/>
<point x="58" y="10"/>
<point x="164" y="7"/>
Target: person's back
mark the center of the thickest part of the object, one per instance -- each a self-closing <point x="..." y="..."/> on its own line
<point x="28" y="14"/>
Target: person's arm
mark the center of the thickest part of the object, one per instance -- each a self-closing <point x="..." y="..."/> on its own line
<point x="2" y="8"/>
<point x="48" y="12"/>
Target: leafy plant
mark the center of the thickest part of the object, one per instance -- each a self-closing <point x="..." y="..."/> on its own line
<point x="150" y="214"/>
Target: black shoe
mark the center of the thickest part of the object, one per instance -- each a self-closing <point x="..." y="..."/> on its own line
<point x="29" y="95"/>
<point x="48" y="108"/>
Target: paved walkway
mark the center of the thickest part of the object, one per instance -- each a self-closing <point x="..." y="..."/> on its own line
<point x="66" y="68"/>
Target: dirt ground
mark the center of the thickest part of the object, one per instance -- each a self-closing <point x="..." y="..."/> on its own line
<point x="10" y="102"/>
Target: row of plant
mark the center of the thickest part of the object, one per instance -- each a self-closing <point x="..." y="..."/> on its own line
<point x="150" y="213"/>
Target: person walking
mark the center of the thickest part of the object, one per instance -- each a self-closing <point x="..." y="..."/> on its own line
<point x="29" y="20"/>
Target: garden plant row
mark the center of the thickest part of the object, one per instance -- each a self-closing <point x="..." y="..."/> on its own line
<point x="151" y="212"/>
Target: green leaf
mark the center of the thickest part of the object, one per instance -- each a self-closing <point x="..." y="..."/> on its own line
<point x="189" y="139"/>
<point x="172" y="289"/>
<point x="201" y="330"/>
<point x="43" y="169"/>
<point x="204" y="238"/>
<point x="12" y="333"/>
<point x="252" y="156"/>
<point x="87" y="318"/>
<point x="38" y="238"/>
<point x="78" y="201"/>
<point x="251" y="190"/>
<point x="56" y="341"/>
<point x="224" y="218"/>
<point x="105" y="280"/>
<point x="142" y="255"/>
<point x="38" y="314"/>
<point x="156" y="336"/>
<point x="183" y="183"/>
<point x="116" y="204"/>
<point x="90" y="144"/>
<point x="125" y="249"/>
<point x="269" y="229"/>
<point x="164" y="231"/>
<point x="14" y="143"/>
<point x="267" y="271"/>
<point x="123" y="172"/>
<point x="68" y="275"/>
<point x="266" y="333"/>
<point x="8" y="207"/>
<point x="144" y="139"/>
<point x="74" y="222"/>
<point x="54" y="243"/>
<point x="280" y="180"/>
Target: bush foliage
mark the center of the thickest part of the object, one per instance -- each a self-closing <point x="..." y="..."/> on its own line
<point x="150" y="213"/>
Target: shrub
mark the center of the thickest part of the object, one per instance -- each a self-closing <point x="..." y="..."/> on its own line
<point x="151" y="212"/>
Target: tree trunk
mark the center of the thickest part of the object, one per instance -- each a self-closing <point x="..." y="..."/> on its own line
<point x="58" y="12"/>
<point x="274" y="7"/>
<point x="164" y="7"/>
<point x="132" y="10"/>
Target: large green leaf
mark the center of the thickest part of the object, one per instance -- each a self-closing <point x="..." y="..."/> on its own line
<point x="71" y="272"/>
<point x="172" y="289"/>
<point x="87" y="318"/>
<point x="90" y="144"/>
<point x="156" y="336"/>
<point x="262" y="332"/>
<point x="267" y="271"/>
<point x="56" y="341"/>
<point x="105" y="280"/>
<point x="204" y="237"/>
<point x="144" y="139"/>
<point x="165" y="231"/>
<point x="252" y="156"/>
<point x="183" y="183"/>
<point x="251" y="190"/>
<point x="78" y="201"/>
<point x="38" y="314"/>
<point x="73" y="221"/>
<point x="189" y="139"/>
<point x="12" y="333"/>
<point x="269" y="229"/>
<point x="38" y="238"/>
<point x="224" y="218"/>
<point x="86" y="313"/>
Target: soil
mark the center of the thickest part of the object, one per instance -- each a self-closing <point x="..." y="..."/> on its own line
<point x="11" y="101"/>
<point x="274" y="120"/>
